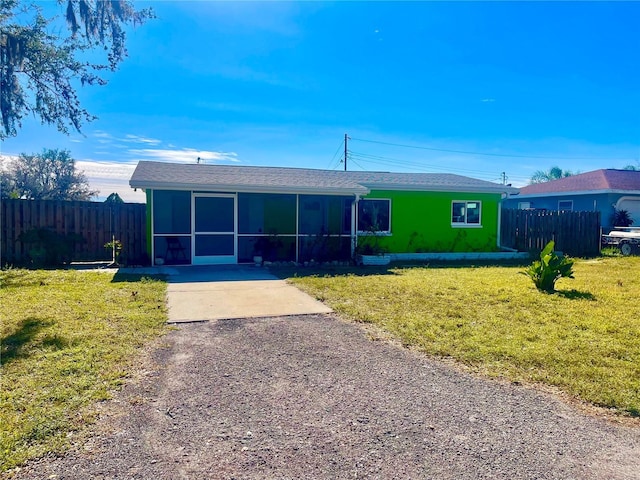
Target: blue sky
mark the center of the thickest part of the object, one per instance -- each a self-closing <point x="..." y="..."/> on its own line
<point x="481" y="89"/>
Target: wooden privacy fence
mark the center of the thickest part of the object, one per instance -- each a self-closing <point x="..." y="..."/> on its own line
<point x="92" y="223"/>
<point x="575" y="233"/>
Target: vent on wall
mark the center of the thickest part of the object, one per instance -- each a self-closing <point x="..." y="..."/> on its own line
<point x="565" y="205"/>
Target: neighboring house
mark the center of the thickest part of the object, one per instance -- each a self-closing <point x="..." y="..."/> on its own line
<point x="208" y="214"/>
<point x="603" y="190"/>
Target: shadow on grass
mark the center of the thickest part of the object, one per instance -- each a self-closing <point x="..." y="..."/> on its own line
<point x="12" y="346"/>
<point x="137" y="277"/>
<point x="15" y="278"/>
<point x="394" y="268"/>
<point x="331" y="271"/>
<point x="576" y="295"/>
<point x="634" y="412"/>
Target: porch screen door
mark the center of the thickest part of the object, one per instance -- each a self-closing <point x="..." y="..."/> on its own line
<point x="214" y="223"/>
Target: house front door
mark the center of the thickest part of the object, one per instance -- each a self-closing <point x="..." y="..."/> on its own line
<point x="214" y="224"/>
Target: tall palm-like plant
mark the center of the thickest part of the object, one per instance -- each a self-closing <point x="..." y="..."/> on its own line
<point x="554" y="173"/>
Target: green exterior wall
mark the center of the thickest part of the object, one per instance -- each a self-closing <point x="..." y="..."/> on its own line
<point x="421" y="223"/>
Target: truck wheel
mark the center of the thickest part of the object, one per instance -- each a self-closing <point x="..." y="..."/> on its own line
<point x="625" y="248"/>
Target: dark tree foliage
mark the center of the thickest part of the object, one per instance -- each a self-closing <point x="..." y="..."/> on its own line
<point x="114" y="199"/>
<point x="51" y="175"/>
<point x="6" y="186"/>
<point x="42" y="61"/>
<point x="554" y="173"/>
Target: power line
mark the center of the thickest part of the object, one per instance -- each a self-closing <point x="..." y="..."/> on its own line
<point x="464" y="152"/>
<point x="336" y="163"/>
<point x="382" y="160"/>
<point x="334" y="155"/>
<point x="421" y="167"/>
<point x="353" y="161"/>
<point x="483" y="175"/>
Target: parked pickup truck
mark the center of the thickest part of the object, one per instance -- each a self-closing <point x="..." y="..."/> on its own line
<point x="627" y="239"/>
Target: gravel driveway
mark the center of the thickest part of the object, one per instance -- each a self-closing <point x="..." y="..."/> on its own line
<point x="315" y="397"/>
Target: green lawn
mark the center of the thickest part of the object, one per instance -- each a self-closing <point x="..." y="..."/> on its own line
<point x="584" y="339"/>
<point x="68" y="339"/>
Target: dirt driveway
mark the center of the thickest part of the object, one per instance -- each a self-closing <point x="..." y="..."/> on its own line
<point x="315" y="397"/>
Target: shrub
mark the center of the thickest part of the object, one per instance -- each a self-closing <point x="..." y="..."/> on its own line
<point x="48" y="248"/>
<point x="622" y="218"/>
<point x="551" y="267"/>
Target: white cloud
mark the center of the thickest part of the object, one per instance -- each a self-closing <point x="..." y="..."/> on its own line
<point x="488" y="100"/>
<point x="102" y="134"/>
<point x="109" y="177"/>
<point x="140" y="139"/>
<point x="184" y="155"/>
<point x="103" y="137"/>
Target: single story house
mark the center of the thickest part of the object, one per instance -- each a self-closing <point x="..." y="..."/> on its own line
<point x="210" y="214"/>
<point x="604" y="190"/>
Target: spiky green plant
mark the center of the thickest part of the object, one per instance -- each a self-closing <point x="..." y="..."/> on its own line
<point x="549" y="269"/>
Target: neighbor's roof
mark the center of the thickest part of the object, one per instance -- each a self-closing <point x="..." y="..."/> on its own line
<point x="590" y="182"/>
<point x="228" y="178"/>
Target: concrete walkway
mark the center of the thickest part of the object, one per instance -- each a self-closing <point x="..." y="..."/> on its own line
<point x="198" y="293"/>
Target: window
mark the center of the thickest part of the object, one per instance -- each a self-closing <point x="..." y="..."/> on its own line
<point x="565" y="205"/>
<point x="324" y="214"/>
<point x="263" y="213"/>
<point x="374" y="215"/>
<point x="171" y="212"/>
<point x="524" y="205"/>
<point x="465" y="213"/>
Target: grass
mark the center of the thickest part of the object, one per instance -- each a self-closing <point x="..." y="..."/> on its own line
<point x="68" y="339"/>
<point x="583" y="339"/>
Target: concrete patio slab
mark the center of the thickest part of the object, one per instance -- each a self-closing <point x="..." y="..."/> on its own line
<point x="202" y="293"/>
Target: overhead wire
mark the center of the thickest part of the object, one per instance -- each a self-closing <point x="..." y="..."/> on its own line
<point x="465" y="152"/>
<point x="354" y="161"/>
<point x="382" y="160"/>
<point x="334" y="156"/>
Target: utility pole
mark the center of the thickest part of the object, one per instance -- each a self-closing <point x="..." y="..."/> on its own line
<point x="346" y="138"/>
<point x="504" y="178"/>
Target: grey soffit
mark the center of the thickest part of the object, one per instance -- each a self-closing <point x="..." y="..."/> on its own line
<point x="163" y="175"/>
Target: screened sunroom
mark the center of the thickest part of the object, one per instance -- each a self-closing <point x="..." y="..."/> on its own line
<point x="191" y="227"/>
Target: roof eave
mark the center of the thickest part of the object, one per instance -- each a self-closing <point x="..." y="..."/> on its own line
<point x="441" y="188"/>
<point x="145" y="185"/>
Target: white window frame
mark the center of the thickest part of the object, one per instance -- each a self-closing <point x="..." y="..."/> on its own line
<point x="565" y="209"/>
<point x="379" y="232"/>
<point x="466" y="224"/>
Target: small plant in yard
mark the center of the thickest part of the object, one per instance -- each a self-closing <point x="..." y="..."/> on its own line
<point x="116" y="249"/>
<point x="549" y="269"/>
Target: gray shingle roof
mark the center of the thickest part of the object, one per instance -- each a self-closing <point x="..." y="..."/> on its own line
<point x="163" y="175"/>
